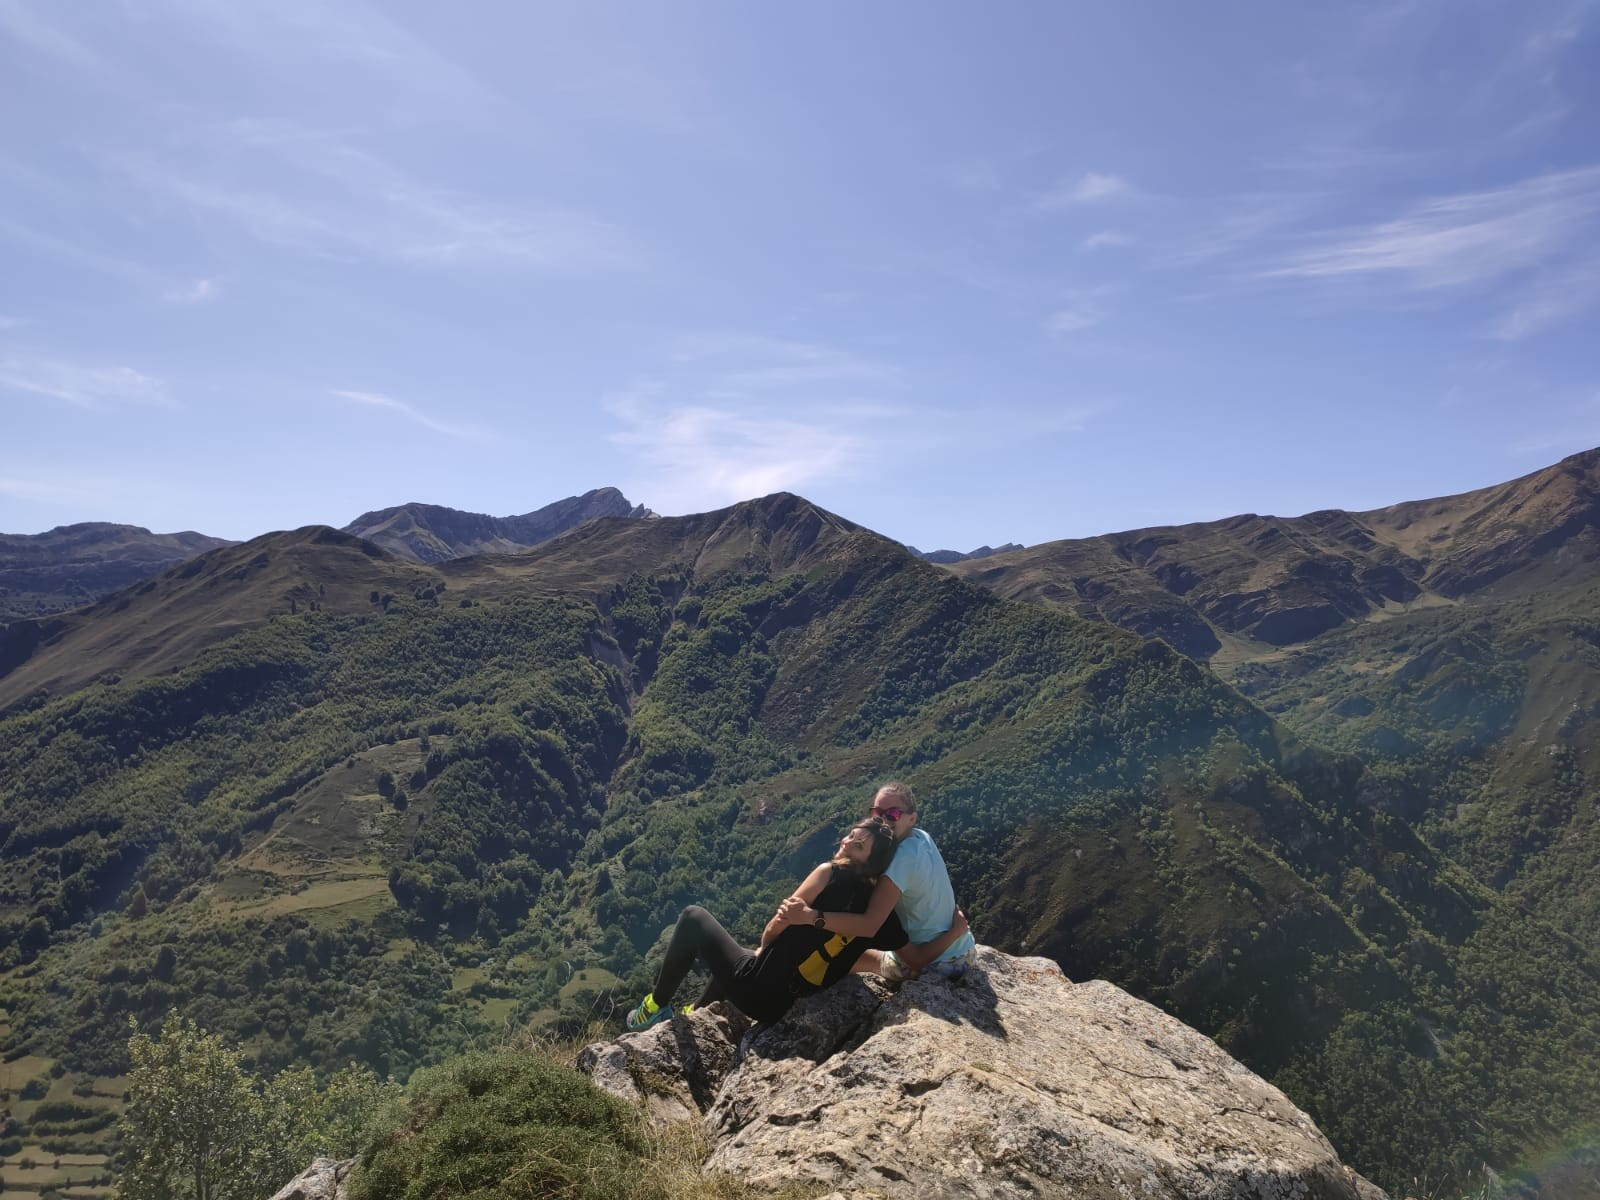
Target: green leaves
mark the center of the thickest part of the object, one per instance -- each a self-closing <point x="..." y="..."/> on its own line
<point x="199" y="1126"/>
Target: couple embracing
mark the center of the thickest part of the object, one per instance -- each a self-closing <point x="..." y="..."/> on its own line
<point x="882" y="904"/>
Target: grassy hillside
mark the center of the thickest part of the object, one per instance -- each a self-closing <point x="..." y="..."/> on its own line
<point x="381" y="828"/>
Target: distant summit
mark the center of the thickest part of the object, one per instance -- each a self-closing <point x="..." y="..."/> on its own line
<point x="431" y="533"/>
<point x="946" y="557"/>
<point x="73" y="565"/>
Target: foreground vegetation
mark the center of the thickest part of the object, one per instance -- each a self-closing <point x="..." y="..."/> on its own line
<point x="514" y="1123"/>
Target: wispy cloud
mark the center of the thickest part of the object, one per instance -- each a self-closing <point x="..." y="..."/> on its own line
<point x="734" y="414"/>
<point x="1091" y="188"/>
<point x="1456" y="241"/>
<point x="316" y="192"/>
<point x="22" y="488"/>
<point x="198" y="292"/>
<point x="22" y="23"/>
<point x="1581" y="431"/>
<point x="81" y="385"/>
<point x="1080" y="313"/>
<point x="390" y="404"/>
<point x="1106" y="239"/>
<point x="701" y="456"/>
<point x="1551" y="297"/>
<point x="9" y="323"/>
<point x="740" y="361"/>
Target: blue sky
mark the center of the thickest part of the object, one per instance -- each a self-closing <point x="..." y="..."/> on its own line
<point x="963" y="273"/>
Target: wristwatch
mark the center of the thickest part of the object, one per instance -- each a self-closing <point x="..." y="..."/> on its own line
<point x="819" y="919"/>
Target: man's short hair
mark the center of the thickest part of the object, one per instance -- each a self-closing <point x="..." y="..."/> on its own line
<point x="900" y="794"/>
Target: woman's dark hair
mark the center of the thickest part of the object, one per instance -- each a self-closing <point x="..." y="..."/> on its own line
<point x="882" y="853"/>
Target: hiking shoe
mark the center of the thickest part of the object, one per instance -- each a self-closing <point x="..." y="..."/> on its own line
<point x="688" y="1010"/>
<point x="647" y="1014"/>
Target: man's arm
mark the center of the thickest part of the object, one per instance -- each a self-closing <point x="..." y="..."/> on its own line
<point x="795" y="911"/>
<point x="916" y="955"/>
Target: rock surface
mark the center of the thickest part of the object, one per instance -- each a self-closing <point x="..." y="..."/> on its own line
<point x="324" y="1179"/>
<point x="1013" y="1082"/>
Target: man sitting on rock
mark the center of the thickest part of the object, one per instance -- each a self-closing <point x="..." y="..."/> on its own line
<point x="916" y="887"/>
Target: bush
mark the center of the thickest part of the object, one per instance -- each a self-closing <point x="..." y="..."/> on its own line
<point x="504" y="1125"/>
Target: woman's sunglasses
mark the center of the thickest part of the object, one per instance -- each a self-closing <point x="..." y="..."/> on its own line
<point x="890" y="814"/>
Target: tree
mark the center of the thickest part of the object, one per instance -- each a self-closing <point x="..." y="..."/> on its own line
<point x="201" y="1127"/>
<point x="193" y="1120"/>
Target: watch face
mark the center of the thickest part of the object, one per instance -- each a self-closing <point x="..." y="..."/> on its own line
<point x="821" y="917"/>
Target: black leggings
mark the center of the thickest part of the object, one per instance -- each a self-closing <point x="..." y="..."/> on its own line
<point x="698" y="935"/>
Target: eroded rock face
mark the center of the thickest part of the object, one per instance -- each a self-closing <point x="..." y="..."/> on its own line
<point x="1011" y="1083"/>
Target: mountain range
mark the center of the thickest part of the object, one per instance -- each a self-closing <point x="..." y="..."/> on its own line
<point x="337" y="803"/>
<point x="74" y="565"/>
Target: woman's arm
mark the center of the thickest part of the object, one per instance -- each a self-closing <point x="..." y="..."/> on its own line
<point x="884" y="898"/>
<point x="917" y="955"/>
<point x="810" y="888"/>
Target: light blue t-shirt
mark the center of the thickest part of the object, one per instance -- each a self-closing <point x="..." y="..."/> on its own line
<point x="927" y="902"/>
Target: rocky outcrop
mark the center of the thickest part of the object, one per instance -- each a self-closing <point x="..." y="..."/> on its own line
<point x="324" y="1179"/>
<point x="1013" y="1082"/>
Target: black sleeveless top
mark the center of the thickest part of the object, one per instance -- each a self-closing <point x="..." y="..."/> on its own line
<point x="804" y="959"/>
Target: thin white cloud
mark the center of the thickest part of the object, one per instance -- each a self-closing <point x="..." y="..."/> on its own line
<point x="1106" y="239"/>
<point x="9" y="323"/>
<point x="1457" y="241"/>
<point x="21" y="488"/>
<point x="390" y="404"/>
<point x="197" y="292"/>
<point x="1581" y="433"/>
<point x="316" y="192"/>
<point x="1080" y="314"/>
<point x="22" y="23"/>
<point x="699" y="456"/>
<point x="733" y="363"/>
<point x="81" y="385"/>
<point x="1550" y="298"/>
<point x="1092" y="188"/>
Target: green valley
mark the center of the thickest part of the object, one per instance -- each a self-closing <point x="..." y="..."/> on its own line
<point x="337" y="806"/>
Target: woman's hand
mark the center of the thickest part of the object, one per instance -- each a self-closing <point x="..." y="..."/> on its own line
<point x="793" y="911"/>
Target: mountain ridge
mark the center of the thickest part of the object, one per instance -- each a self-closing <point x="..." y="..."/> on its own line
<point x="431" y="533"/>
<point x="72" y="565"/>
<point x="1276" y="581"/>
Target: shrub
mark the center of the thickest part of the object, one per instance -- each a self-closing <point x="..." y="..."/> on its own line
<point x="504" y="1125"/>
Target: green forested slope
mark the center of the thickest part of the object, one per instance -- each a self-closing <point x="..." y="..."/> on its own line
<point x="382" y="831"/>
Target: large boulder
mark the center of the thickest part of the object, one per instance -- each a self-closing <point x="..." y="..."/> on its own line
<point x="1013" y="1082"/>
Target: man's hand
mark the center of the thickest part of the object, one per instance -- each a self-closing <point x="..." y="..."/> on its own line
<point x="959" y="925"/>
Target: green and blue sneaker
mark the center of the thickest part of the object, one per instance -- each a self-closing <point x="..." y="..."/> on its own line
<point x="647" y="1014"/>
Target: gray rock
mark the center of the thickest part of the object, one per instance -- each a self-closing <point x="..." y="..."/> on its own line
<point x="1013" y="1082"/>
<point x="673" y="1070"/>
<point x="324" y="1179"/>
